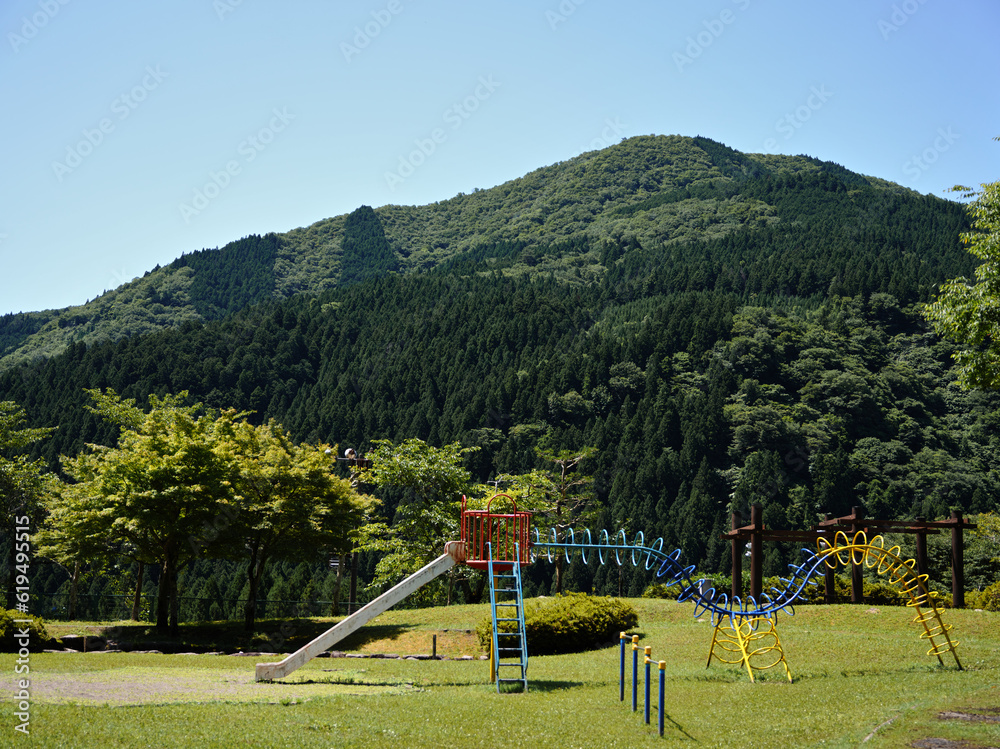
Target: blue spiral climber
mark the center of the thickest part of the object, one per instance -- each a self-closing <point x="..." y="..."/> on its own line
<point x="668" y="565"/>
<point x="752" y="635"/>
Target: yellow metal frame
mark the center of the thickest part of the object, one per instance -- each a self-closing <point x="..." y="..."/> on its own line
<point x="753" y="643"/>
<point x="858" y="550"/>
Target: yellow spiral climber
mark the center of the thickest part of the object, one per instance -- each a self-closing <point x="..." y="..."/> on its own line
<point x="900" y="573"/>
<point x="752" y="641"/>
<point x="749" y="641"/>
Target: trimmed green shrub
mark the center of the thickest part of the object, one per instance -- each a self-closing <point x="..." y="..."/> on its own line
<point x="568" y="623"/>
<point x="988" y="598"/>
<point x="659" y="590"/>
<point x="883" y="594"/>
<point x="720" y="581"/>
<point x="38" y="636"/>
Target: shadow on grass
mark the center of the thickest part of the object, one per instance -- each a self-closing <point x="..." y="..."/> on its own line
<point x="667" y="720"/>
<point x="543" y="685"/>
<point x="346" y="679"/>
<point x="717" y="677"/>
<point x="279" y="635"/>
<point x="370" y="633"/>
<point x="908" y="669"/>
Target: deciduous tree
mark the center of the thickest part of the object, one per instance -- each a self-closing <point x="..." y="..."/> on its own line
<point x="157" y="492"/>
<point x="21" y="480"/>
<point x="969" y="313"/>
<point x="286" y="502"/>
<point x="432" y="481"/>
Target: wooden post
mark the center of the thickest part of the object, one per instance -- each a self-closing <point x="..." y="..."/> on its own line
<point x="737" y="546"/>
<point x="756" y="552"/>
<point x="957" y="562"/>
<point x="921" y="548"/>
<point x="829" y="577"/>
<point x="341" y="564"/>
<point x="857" y="570"/>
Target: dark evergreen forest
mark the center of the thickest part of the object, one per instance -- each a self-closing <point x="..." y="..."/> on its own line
<point x="785" y="364"/>
<point x="366" y="251"/>
<point x="237" y="276"/>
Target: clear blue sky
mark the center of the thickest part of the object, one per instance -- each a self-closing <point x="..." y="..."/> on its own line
<point x="135" y="131"/>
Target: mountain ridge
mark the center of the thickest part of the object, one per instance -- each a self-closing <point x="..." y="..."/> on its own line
<point x="645" y="191"/>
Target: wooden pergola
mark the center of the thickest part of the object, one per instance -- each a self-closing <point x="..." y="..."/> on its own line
<point x="756" y="533"/>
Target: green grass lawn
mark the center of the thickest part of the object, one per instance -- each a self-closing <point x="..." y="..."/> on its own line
<point x="860" y="672"/>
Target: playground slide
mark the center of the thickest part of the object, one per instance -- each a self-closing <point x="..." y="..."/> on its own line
<point x="454" y="552"/>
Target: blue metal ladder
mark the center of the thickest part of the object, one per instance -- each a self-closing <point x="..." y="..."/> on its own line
<point x="510" y="647"/>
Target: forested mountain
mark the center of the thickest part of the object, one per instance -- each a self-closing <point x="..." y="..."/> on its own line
<point x="646" y="191"/>
<point x="724" y="329"/>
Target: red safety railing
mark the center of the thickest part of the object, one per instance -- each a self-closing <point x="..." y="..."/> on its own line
<point x="506" y="532"/>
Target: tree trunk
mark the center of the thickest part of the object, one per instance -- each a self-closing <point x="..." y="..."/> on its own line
<point x="71" y="614"/>
<point x="137" y="599"/>
<point x="250" y="607"/>
<point x="174" y="603"/>
<point x="168" y="572"/>
<point x="10" y="530"/>
<point x="560" y="558"/>
<point x="255" y="571"/>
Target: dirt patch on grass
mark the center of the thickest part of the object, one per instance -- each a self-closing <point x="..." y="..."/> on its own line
<point x="976" y="715"/>
<point x="972" y="715"/>
<point x="145" y="686"/>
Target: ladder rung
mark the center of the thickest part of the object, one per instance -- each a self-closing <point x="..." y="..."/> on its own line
<point x="508" y="583"/>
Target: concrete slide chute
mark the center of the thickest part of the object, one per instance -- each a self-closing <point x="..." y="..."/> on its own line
<point x="454" y="552"/>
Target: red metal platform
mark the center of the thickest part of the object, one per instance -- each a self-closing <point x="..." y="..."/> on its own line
<point x="506" y="532"/>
